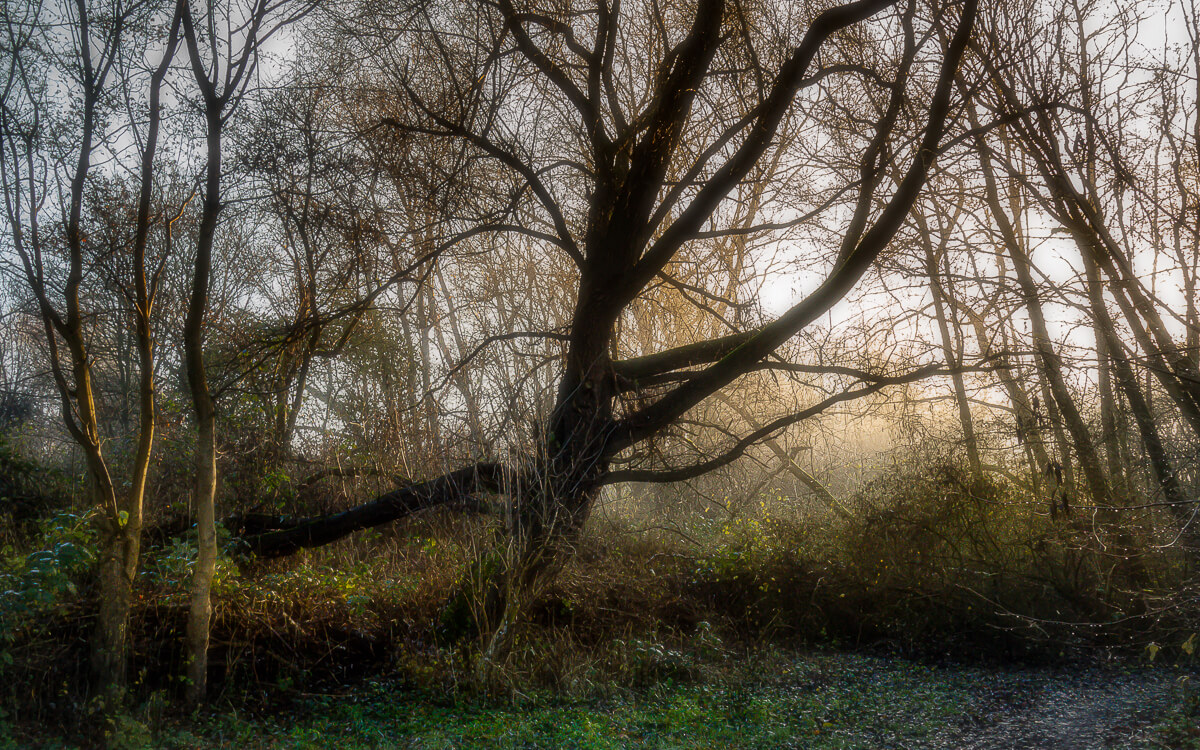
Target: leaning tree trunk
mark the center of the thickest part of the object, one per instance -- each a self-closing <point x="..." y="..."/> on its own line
<point x="1152" y="442"/>
<point x="624" y="248"/>
<point x="1050" y="364"/>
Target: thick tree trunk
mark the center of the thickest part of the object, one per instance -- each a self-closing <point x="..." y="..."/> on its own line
<point x="552" y="501"/>
<point x="116" y="570"/>
<point x="549" y="505"/>
<point x="630" y="235"/>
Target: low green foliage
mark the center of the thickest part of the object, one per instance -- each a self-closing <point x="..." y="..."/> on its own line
<point x="801" y="701"/>
<point x="168" y="569"/>
<point x="35" y="586"/>
<point x="1180" y="728"/>
<point x="642" y="641"/>
<point x="763" y="699"/>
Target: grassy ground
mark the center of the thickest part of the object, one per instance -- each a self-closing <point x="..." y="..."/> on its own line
<point x="770" y="699"/>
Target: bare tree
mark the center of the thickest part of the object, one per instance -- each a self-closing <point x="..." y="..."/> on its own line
<point x="48" y="163"/>
<point x="1072" y="142"/>
<point x="223" y="54"/>
<point x="620" y="181"/>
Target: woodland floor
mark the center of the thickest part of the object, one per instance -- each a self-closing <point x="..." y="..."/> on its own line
<point x="776" y="700"/>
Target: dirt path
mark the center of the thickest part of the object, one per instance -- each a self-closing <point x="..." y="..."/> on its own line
<point x="1088" y="709"/>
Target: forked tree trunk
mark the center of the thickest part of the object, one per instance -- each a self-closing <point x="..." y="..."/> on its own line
<point x="626" y="243"/>
<point x="120" y="541"/>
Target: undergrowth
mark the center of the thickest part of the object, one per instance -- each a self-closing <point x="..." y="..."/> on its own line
<point x="930" y="564"/>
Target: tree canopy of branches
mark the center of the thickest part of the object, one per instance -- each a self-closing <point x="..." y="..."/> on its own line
<point x="617" y="138"/>
<point x="507" y="253"/>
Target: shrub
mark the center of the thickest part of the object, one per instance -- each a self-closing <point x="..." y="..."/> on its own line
<point x="46" y="580"/>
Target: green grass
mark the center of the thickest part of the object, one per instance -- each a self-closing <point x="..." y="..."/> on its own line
<point x="841" y="701"/>
<point x="762" y="699"/>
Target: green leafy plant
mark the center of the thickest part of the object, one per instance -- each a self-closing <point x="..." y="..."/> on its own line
<point x="45" y="576"/>
<point x="1181" y="728"/>
<point x="169" y="568"/>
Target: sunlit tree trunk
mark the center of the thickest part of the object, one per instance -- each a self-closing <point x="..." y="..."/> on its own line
<point x="223" y="65"/>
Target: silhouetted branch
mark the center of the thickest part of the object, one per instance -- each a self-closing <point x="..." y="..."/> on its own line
<point x="457" y="488"/>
